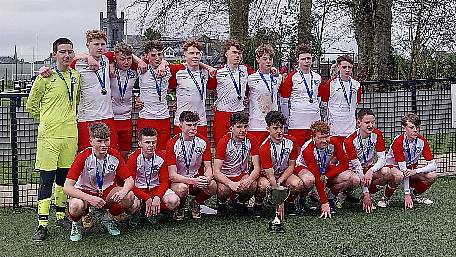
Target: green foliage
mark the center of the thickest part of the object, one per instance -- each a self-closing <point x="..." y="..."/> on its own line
<point x="152" y="34"/>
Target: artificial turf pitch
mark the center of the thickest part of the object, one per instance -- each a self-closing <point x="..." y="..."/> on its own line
<point x="423" y="231"/>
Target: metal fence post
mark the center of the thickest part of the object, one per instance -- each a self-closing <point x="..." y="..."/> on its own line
<point x="14" y="153"/>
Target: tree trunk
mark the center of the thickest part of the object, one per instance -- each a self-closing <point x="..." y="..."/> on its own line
<point x="305" y="21"/>
<point x="372" y="20"/>
<point x="239" y="19"/>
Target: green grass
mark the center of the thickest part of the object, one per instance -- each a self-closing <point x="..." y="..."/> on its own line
<point x="425" y="231"/>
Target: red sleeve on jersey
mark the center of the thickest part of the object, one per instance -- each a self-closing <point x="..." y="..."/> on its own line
<point x="110" y="55"/>
<point x="287" y="85"/>
<point x="250" y="70"/>
<point x="140" y="193"/>
<point x="342" y="159"/>
<point x="265" y="155"/>
<point x="212" y="83"/>
<point x="207" y="151"/>
<point x="360" y="91"/>
<point x="398" y="149"/>
<point x="132" y="162"/>
<point x="312" y="165"/>
<point x="380" y="145"/>
<point x="255" y="146"/>
<point x="323" y="90"/>
<point x="350" y="147"/>
<point x="427" y="153"/>
<point x="220" y="150"/>
<point x="170" y="154"/>
<point x="73" y="63"/>
<point x="174" y="68"/>
<point x="122" y="170"/>
<point x="295" y="151"/>
<point x="163" y="177"/>
<point x="78" y="164"/>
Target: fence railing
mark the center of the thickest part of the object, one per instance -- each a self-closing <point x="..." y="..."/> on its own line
<point x="390" y="100"/>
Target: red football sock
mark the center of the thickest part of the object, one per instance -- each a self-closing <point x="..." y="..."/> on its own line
<point x="389" y="191"/>
<point x="419" y="186"/>
<point x="334" y="191"/>
<point x="373" y="189"/>
<point x="201" y="197"/>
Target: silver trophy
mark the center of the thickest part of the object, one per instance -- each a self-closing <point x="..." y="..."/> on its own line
<point x="277" y="195"/>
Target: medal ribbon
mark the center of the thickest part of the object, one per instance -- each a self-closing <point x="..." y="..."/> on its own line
<point x="71" y="89"/>
<point x="409" y="153"/>
<point x="347" y="99"/>
<point x="151" y="168"/>
<point x="187" y="160"/>
<point x="270" y="89"/>
<point x="200" y="90"/>
<point x="100" y="177"/>
<point x="368" y="147"/>
<point x="321" y="161"/>
<point x="310" y="91"/>
<point x="103" y="69"/>
<point x="157" y="86"/>
<point x="282" y="152"/>
<point x="122" y="90"/>
<point x="238" y="89"/>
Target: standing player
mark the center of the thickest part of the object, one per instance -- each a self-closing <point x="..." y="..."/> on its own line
<point x="52" y="102"/>
<point x="301" y="88"/>
<point x="99" y="177"/>
<point x="190" y="82"/>
<point x="151" y="176"/>
<point x="188" y="156"/>
<point x="362" y="146"/>
<point x="230" y="83"/>
<point x="231" y="169"/>
<point x="263" y="87"/>
<point x="153" y="91"/>
<point x="95" y="104"/>
<point x="278" y="159"/>
<point x="340" y="97"/>
<point x="318" y="157"/>
<point x="402" y="158"/>
<point x="121" y="91"/>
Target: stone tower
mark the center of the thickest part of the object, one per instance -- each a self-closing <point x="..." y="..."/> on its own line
<point x="113" y="26"/>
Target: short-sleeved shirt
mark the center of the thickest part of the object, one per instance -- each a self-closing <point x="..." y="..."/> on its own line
<point x="86" y="165"/>
<point x="49" y="104"/>
<point x="342" y="98"/>
<point x="93" y="105"/>
<point x="190" y="91"/>
<point x="409" y="151"/>
<point x="188" y="155"/>
<point x="230" y="84"/>
<point x="364" y="149"/>
<point x="235" y="155"/>
<point x="304" y="110"/>
<point x="277" y="156"/>
<point x="262" y="98"/>
<point x="153" y="91"/>
<point x="122" y="92"/>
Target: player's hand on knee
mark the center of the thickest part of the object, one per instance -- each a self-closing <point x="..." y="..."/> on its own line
<point x="139" y="104"/>
<point x="367" y="203"/>
<point x="96" y="201"/>
<point x="235" y="186"/>
<point x="45" y="72"/>
<point x="202" y="182"/>
<point x="408" y="202"/>
<point x="149" y="207"/>
<point x="156" y="205"/>
<point x="119" y="195"/>
<point x="325" y="211"/>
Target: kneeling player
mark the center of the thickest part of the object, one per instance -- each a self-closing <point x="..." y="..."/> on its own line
<point x="361" y="147"/>
<point x="151" y="176"/>
<point x="231" y="169"/>
<point x="185" y="153"/>
<point x="278" y="159"/>
<point x="96" y="178"/>
<point x="402" y="158"/>
<point x="318" y="157"/>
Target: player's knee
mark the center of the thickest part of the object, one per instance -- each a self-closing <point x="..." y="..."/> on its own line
<point x="296" y="185"/>
<point x="396" y="177"/>
<point x="431" y="177"/>
<point x="212" y="188"/>
<point x="172" y="201"/>
<point x="308" y="181"/>
<point x="223" y="190"/>
<point x="355" y="180"/>
<point x="263" y="183"/>
<point x="76" y="207"/>
<point x="181" y="189"/>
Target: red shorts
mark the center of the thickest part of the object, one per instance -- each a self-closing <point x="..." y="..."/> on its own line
<point x="124" y="129"/>
<point x="301" y="136"/>
<point x="221" y="125"/>
<point x="83" y="133"/>
<point x="260" y="136"/>
<point x="201" y="130"/>
<point x="113" y="208"/>
<point x="162" y="126"/>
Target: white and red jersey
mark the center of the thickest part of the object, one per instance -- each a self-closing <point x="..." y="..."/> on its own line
<point x="304" y="101"/>
<point x="153" y="91"/>
<point x="262" y="98"/>
<point x="188" y="156"/>
<point x="364" y="149"/>
<point x="277" y="156"/>
<point x="342" y="98"/>
<point x="403" y="150"/>
<point x="148" y="173"/>
<point x="230" y="85"/>
<point x="111" y="171"/>
<point x="122" y="92"/>
<point x="321" y="162"/>
<point x="93" y="105"/>
<point x="235" y="155"/>
<point x="190" y="91"/>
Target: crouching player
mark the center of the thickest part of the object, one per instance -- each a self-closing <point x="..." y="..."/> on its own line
<point x="402" y="158"/>
<point x="231" y="169"/>
<point x="185" y="154"/>
<point x="324" y="157"/>
<point x="98" y="177"/>
<point x="361" y="147"/>
<point x="278" y="159"/>
<point x="151" y="176"/>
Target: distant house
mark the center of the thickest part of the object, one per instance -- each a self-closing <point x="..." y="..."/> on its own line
<point x="7" y="60"/>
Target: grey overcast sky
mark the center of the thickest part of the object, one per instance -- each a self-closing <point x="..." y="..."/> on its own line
<point x="23" y="21"/>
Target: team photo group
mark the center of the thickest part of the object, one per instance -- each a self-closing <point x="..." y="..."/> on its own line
<point x="269" y="129"/>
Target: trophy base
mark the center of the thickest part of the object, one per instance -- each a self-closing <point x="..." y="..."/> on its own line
<point x="276" y="228"/>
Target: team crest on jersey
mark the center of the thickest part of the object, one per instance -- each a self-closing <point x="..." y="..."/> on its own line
<point x="241" y="73"/>
<point x="111" y="167"/>
<point x="199" y="150"/>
